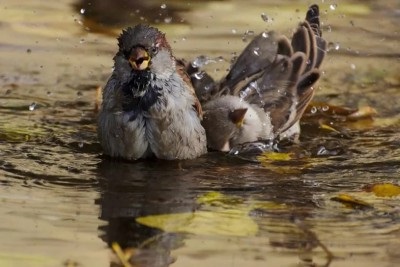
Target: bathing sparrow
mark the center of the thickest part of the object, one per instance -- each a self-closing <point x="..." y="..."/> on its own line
<point x="149" y="106"/>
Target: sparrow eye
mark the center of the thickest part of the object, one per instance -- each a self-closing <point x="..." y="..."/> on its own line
<point x="154" y="49"/>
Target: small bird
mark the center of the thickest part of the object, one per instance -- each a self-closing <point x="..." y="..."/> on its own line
<point x="266" y="90"/>
<point x="149" y="105"/>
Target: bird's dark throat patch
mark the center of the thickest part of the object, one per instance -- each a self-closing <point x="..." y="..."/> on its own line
<point x="139" y="95"/>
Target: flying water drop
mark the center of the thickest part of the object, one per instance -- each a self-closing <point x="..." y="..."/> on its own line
<point x="32" y="106"/>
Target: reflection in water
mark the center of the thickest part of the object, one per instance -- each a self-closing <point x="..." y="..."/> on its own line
<point x="132" y="190"/>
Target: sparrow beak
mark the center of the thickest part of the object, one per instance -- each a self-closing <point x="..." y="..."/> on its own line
<point x="139" y="59"/>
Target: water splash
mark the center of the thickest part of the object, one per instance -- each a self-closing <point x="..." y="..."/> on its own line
<point x="32" y="106"/>
<point x="199" y="75"/>
<point x="202" y="60"/>
<point x="247" y="34"/>
<point x="333" y="6"/>
<point x="264" y="17"/>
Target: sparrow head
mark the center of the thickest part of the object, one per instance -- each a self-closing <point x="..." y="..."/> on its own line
<point x="144" y="54"/>
<point x="229" y="121"/>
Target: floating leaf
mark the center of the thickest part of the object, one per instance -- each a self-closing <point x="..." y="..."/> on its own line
<point x="363" y="113"/>
<point x="329" y="128"/>
<point x="352" y="202"/>
<point x="384" y="190"/>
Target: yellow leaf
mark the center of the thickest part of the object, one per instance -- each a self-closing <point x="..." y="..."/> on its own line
<point x="384" y="190"/>
<point x="329" y="128"/>
<point x="210" y="197"/>
<point x="228" y="222"/>
<point x="352" y="202"/>
<point x="274" y="156"/>
<point x="122" y="256"/>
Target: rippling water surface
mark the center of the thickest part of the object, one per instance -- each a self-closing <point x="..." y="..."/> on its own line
<point x="63" y="204"/>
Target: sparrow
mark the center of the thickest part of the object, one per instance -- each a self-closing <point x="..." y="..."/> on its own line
<point x="149" y="105"/>
<point x="267" y="88"/>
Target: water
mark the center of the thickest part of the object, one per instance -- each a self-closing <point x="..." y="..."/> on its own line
<point x="64" y="204"/>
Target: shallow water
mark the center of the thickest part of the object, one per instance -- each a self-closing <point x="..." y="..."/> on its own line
<point x="64" y="204"/>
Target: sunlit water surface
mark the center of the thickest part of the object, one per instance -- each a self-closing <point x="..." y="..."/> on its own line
<point x="63" y="204"/>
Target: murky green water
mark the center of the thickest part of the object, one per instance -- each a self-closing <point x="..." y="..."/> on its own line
<point x="63" y="204"/>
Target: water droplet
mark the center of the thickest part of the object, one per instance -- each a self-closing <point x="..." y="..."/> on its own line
<point x="313" y="110"/>
<point x="328" y="28"/>
<point x="264" y="17"/>
<point x="249" y="33"/>
<point x="168" y="19"/>
<point x="333" y="46"/>
<point x="183" y="38"/>
<point x="333" y="6"/>
<point x="199" y="75"/>
<point x="243" y="94"/>
<point x="80" y="144"/>
<point x="265" y="35"/>
<point x="256" y="51"/>
<point x="163" y="6"/>
<point x="234" y="31"/>
<point x="325" y="108"/>
<point x="32" y="106"/>
<point x="199" y="61"/>
<point x="83" y="11"/>
<point x="353" y="66"/>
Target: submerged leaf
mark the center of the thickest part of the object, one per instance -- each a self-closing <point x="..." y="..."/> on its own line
<point x="224" y="222"/>
<point x="219" y="214"/>
<point x="275" y="156"/>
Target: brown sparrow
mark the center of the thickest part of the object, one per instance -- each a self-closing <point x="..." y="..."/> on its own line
<point x="149" y="105"/>
<point x="267" y="89"/>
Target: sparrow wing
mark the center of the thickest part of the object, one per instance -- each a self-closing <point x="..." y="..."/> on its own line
<point x="181" y="70"/>
<point x="255" y="58"/>
<point x="283" y="86"/>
